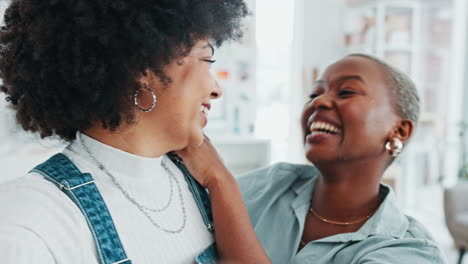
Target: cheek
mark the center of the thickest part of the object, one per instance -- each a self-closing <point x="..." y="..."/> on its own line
<point x="200" y="86"/>
<point x="372" y="123"/>
<point x="354" y="115"/>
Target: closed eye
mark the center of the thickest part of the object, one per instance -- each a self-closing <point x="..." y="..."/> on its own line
<point x="209" y="61"/>
<point x="313" y="96"/>
<point x="346" y="93"/>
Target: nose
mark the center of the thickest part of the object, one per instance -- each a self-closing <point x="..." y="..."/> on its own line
<point x="217" y="91"/>
<point x="322" y="101"/>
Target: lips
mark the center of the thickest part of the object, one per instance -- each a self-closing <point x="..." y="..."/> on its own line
<point x="204" y="108"/>
<point x="322" y="126"/>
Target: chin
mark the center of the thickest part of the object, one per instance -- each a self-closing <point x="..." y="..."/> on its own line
<point x="196" y="139"/>
<point x="319" y="157"/>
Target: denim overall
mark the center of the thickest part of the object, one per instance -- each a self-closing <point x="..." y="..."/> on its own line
<point x="83" y="192"/>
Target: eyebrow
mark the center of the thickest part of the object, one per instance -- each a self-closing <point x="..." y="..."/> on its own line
<point x="351" y="77"/>
<point x="209" y="45"/>
<point x="343" y="79"/>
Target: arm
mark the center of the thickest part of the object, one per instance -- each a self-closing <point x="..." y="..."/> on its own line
<point x="235" y="237"/>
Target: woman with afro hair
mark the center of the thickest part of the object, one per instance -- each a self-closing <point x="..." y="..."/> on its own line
<point x="128" y="85"/>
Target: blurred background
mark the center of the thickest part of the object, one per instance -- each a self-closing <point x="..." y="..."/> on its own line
<point x="267" y="78"/>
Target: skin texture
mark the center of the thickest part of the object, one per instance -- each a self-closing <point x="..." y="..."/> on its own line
<point x="237" y="242"/>
<point x="70" y="66"/>
<point x="176" y="124"/>
<point x="354" y="95"/>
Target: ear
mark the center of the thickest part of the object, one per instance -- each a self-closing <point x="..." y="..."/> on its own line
<point x="144" y="77"/>
<point x="180" y="61"/>
<point x="150" y="79"/>
<point x="403" y="130"/>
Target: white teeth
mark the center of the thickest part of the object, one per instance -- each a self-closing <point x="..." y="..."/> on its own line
<point x="204" y="110"/>
<point x="319" y="133"/>
<point x="316" y="126"/>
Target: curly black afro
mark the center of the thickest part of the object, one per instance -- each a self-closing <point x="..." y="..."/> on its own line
<point x="68" y="63"/>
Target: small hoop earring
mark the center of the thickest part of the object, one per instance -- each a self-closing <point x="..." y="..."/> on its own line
<point x="135" y="99"/>
<point x="394" y="146"/>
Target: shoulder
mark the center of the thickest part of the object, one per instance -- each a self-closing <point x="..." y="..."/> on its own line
<point x="405" y="251"/>
<point x="417" y="231"/>
<point x="36" y="211"/>
<point x="31" y="200"/>
<point x="26" y="189"/>
<point x="277" y="176"/>
<point x="30" y="188"/>
<point x="416" y="246"/>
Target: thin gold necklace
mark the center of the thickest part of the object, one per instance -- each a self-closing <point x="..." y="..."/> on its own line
<point x="340" y="223"/>
<point x="303" y="244"/>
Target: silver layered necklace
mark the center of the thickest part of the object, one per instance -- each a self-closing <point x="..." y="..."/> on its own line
<point x="145" y="209"/>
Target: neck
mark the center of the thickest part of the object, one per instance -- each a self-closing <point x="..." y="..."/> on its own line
<point x="347" y="190"/>
<point x="135" y="140"/>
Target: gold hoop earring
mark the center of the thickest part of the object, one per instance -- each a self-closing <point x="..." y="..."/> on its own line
<point x="135" y="99"/>
<point x="394" y="146"/>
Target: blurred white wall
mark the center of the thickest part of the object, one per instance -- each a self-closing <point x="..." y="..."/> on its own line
<point x="316" y="43"/>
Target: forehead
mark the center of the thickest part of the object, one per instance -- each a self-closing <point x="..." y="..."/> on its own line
<point x="369" y="71"/>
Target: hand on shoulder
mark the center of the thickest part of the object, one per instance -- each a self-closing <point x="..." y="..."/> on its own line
<point x="205" y="164"/>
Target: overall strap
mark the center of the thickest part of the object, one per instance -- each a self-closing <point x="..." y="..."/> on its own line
<point x="200" y="194"/>
<point x="83" y="192"/>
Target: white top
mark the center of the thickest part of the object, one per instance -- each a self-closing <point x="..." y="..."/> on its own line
<point x="40" y="224"/>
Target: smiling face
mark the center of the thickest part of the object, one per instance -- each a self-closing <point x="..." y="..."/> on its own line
<point x="350" y="115"/>
<point x="182" y="107"/>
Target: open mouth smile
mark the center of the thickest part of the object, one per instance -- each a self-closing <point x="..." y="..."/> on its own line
<point x="205" y="108"/>
<point x="320" y="127"/>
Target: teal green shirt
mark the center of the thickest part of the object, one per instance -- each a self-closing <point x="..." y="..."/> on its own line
<point x="278" y="200"/>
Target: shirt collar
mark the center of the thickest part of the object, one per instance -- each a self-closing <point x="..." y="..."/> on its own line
<point x="303" y="187"/>
<point x="119" y="162"/>
<point x="388" y="220"/>
<point x="305" y="178"/>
